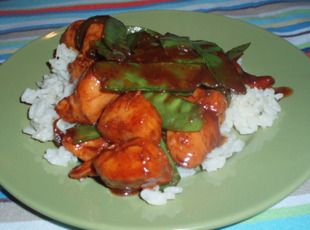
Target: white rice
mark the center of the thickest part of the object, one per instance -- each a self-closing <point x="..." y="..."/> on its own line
<point x="246" y="113"/>
<point x="51" y="89"/>
<point x="216" y="159"/>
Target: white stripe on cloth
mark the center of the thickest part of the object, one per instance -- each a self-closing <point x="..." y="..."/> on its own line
<point x="298" y="40"/>
<point x="293" y="201"/>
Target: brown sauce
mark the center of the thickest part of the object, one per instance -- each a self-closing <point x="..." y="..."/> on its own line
<point x="125" y="192"/>
<point x="286" y="91"/>
<point x="260" y="82"/>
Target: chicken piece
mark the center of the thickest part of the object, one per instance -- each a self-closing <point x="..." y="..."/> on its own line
<point x="87" y="102"/>
<point x="94" y="33"/>
<point x="189" y="149"/>
<point x="210" y="100"/>
<point x="129" y="117"/>
<point x="83" y="170"/>
<point x="86" y="150"/>
<point x="70" y="110"/>
<point x="135" y="165"/>
<point x="79" y="66"/>
<point x="68" y="37"/>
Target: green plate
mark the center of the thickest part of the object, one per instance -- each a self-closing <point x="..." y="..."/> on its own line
<point x="274" y="162"/>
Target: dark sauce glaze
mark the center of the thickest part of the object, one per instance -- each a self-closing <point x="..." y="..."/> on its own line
<point x="125" y="192"/>
<point x="260" y="82"/>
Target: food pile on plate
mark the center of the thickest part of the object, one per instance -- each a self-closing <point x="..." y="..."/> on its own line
<point x="140" y="109"/>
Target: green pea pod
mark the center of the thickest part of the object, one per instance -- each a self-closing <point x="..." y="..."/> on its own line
<point x="235" y="53"/>
<point x="222" y="69"/>
<point x="177" y="114"/>
<point x="169" y="77"/>
<point x="175" y="175"/>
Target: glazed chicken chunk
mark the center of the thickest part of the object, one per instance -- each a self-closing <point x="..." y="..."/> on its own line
<point x="130" y="116"/>
<point x="137" y="164"/>
<point x="86" y="103"/>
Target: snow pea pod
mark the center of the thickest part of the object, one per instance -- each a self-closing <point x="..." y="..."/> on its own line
<point x="177" y="114"/>
<point x="163" y="76"/>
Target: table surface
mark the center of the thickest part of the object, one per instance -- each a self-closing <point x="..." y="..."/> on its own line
<point x="19" y="25"/>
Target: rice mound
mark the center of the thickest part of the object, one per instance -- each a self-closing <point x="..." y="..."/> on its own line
<point x="51" y="89"/>
<point x="246" y="113"/>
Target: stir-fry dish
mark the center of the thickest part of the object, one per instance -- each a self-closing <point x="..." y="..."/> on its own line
<point x="146" y="103"/>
